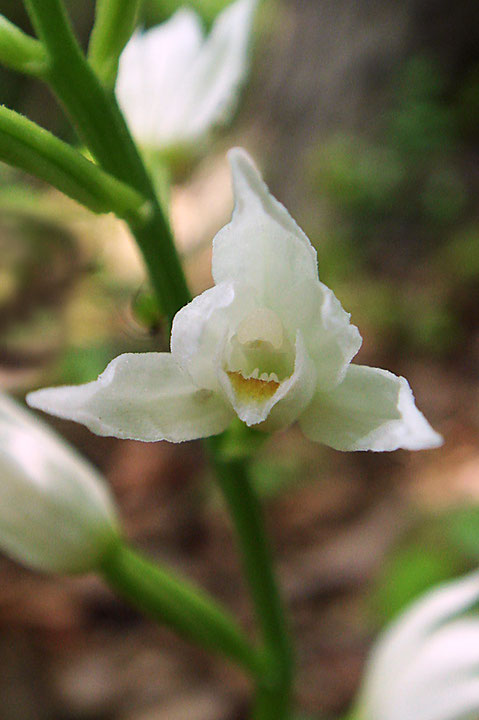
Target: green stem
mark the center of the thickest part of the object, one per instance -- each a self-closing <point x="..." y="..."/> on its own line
<point x="103" y="129"/>
<point x="34" y="150"/>
<point x="273" y="700"/>
<point x="115" y="21"/>
<point x="176" y="602"/>
<point x="95" y="113"/>
<point x="160" y="174"/>
<point x="19" y="51"/>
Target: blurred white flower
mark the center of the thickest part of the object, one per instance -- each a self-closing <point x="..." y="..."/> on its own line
<point x="269" y="343"/>
<point x="426" y="665"/>
<point x="56" y="513"/>
<point x="174" y="84"/>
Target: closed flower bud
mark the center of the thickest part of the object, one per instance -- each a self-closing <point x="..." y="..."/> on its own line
<point x="174" y="84"/>
<point x="56" y="513"/>
<point x="425" y="666"/>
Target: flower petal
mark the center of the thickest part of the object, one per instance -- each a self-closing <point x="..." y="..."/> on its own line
<point x="286" y="404"/>
<point x="140" y="396"/>
<point x="211" y="89"/>
<point x="151" y="76"/>
<point x="332" y="341"/>
<point x="457" y="699"/>
<point x="262" y="245"/>
<point x="371" y="409"/>
<point x="401" y="643"/>
<point x="439" y="682"/>
<point x="450" y="652"/>
<point x="199" y="330"/>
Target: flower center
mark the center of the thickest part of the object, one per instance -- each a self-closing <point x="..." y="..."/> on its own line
<point x="259" y="356"/>
<point x="261" y="326"/>
<point x="252" y="388"/>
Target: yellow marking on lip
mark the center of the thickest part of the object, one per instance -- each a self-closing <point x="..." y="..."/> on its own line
<point x="252" y="389"/>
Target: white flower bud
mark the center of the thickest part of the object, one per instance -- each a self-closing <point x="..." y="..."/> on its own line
<point x="174" y="84"/>
<point x="425" y="666"/>
<point x="56" y="513"/>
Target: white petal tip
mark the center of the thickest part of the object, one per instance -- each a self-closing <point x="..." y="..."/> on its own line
<point x="242" y="163"/>
<point x="371" y="409"/>
<point x="419" y="433"/>
<point x="238" y="153"/>
<point x="36" y="399"/>
<point x="52" y="400"/>
<point x="433" y="440"/>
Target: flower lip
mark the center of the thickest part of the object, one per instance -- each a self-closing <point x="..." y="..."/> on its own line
<point x="254" y="388"/>
<point x="258" y="356"/>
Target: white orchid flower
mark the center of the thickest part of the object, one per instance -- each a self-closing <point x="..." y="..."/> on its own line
<point x="269" y="343"/>
<point x="426" y="666"/>
<point x="56" y="513"/>
<point x="174" y="84"/>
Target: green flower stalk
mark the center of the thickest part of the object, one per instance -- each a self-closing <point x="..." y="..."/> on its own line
<point x="21" y="52"/>
<point x="179" y="605"/>
<point x="115" y="21"/>
<point x="101" y="126"/>
<point x="36" y="151"/>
